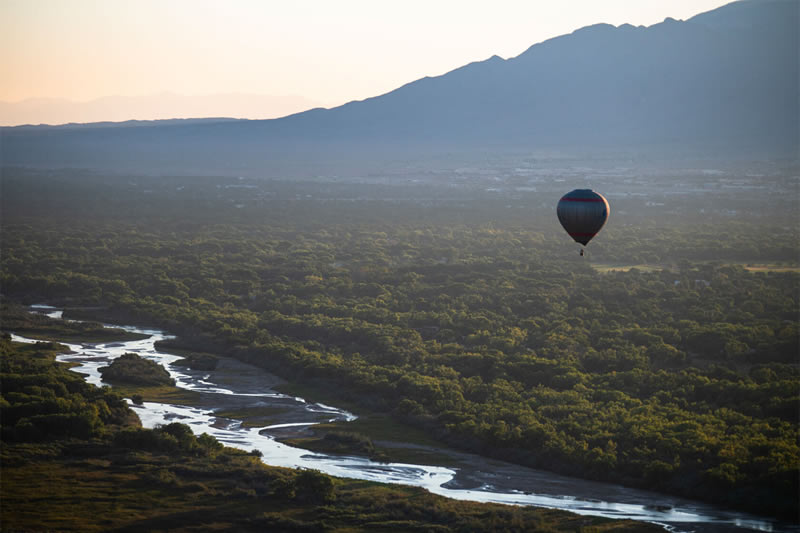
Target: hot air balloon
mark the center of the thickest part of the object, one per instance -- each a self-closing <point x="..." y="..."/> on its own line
<point x="583" y="213"/>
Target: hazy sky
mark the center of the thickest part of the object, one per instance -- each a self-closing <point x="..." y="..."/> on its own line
<point x="327" y="51"/>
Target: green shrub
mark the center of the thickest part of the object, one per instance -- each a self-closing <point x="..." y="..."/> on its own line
<point x="130" y="368"/>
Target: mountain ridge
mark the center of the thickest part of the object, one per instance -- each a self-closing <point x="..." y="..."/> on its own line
<point x="120" y="108"/>
<point x="725" y="81"/>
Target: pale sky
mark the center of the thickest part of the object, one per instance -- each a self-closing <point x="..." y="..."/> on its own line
<point x="326" y="51"/>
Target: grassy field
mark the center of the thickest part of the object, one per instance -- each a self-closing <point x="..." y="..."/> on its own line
<point x="253" y="416"/>
<point x="162" y="394"/>
<point x="752" y="267"/>
<point x="605" y="267"/>
<point x="771" y="268"/>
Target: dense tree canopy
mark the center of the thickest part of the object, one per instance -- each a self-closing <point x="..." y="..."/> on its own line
<point x="682" y="377"/>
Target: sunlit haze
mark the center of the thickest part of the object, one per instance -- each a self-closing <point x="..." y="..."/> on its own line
<point x="259" y="59"/>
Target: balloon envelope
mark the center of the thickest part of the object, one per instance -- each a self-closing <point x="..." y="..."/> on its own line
<point x="583" y="213"/>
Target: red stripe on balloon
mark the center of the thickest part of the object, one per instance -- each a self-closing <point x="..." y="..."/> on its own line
<point x="581" y="200"/>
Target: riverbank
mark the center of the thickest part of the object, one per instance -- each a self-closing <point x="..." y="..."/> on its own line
<point x="236" y="385"/>
<point x="123" y="478"/>
<point x="392" y="440"/>
<point x="20" y="320"/>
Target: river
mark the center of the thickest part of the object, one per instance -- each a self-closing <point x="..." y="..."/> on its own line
<point x="234" y="385"/>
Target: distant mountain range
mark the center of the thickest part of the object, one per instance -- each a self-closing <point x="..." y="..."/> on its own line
<point x="126" y="108"/>
<point x="723" y="82"/>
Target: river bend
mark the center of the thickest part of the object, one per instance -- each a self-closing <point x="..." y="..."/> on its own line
<point x="236" y="385"/>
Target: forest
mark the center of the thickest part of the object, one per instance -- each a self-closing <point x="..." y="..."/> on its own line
<point x="666" y="359"/>
<point x="75" y="459"/>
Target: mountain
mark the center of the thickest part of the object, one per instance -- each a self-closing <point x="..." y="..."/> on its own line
<point x="149" y="107"/>
<point x="723" y="82"/>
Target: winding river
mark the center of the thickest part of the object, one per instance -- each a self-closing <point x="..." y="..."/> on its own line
<point x="234" y="385"/>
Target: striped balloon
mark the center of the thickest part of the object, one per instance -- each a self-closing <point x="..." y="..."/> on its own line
<point x="583" y="213"/>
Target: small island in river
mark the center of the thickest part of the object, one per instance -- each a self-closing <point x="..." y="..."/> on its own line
<point x="133" y="369"/>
